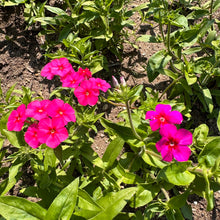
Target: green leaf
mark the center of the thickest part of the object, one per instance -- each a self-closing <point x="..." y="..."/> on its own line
<point x="15" y="138"/>
<point x="177" y="174"/>
<point x="200" y="134"/>
<point x="178" y="201"/>
<point x="91" y="155"/>
<point x="190" y="78"/>
<point x="64" y="204"/>
<point x="87" y="206"/>
<point x="208" y="99"/>
<point x="55" y="10"/>
<point x="50" y="159"/>
<point x="152" y="160"/>
<point x="156" y="63"/>
<point x="145" y="194"/>
<point x="113" y="203"/>
<point x="218" y="121"/>
<point x="186" y="86"/>
<point x="180" y="21"/>
<point x="13" y="172"/>
<point x="12" y="207"/>
<point x="148" y="38"/>
<point x="210" y="153"/>
<point x="126" y="177"/>
<point x="112" y="151"/>
<point x="9" y="92"/>
<point x="124" y="132"/>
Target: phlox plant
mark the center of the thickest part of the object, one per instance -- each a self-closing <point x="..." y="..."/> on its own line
<point x="152" y="164"/>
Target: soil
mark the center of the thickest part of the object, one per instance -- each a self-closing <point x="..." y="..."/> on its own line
<point x="21" y="60"/>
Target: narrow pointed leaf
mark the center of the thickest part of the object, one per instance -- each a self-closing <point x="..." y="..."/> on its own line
<point x="112" y="151"/>
<point x="64" y="204"/>
<point x="113" y="203"/>
<point x="12" y="207"/>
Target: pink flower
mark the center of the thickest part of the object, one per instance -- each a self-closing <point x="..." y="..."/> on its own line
<point x="72" y="79"/>
<point x="64" y="111"/>
<point x="85" y="73"/>
<point x="174" y="143"/>
<point x="86" y="93"/>
<point x="61" y="66"/>
<point x="37" y="109"/>
<point x="47" y="71"/>
<point x="163" y="115"/>
<point x="52" y="132"/>
<point x="17" y="118"/>
<point x="31" y="136"/>
<point x="100" y="84"/>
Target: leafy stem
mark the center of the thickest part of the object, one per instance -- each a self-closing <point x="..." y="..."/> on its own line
<point x="211" y="9"/>
<point x="131" y="122"/>
<point x="168" y="87"/>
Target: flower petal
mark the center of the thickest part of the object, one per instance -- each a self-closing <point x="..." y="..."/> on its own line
<point x="184" y="137"/>
<point x="155" y="124"/>
<point x="175" y="117"/>
<point x="166" y="153"/>
<point x="162" y="143"/>
<point x="163" y="109"/>
<point x="168" y="130"/>
<point x="181" y="153"/>
<point x="150" y="115"/>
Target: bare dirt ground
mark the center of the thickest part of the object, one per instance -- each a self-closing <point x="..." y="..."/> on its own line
<point x="21" y="60"/>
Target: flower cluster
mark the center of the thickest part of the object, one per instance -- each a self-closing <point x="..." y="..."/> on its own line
<point x="48" y="124"/>
<point x="86" y="87"/>
<point x="174" y="143"/>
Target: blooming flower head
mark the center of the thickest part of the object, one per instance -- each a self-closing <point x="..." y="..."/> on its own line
<point x="162" y="116"/>
<point x="17" y="118"/>
<point x="60" y="66"/>
<point x="37" y="109"/>
<point x="52" y="132"/>
<point x="47" y="71"/>
<point x="86" y="93"/>
<point x="72" y="79"/>
<point x="85" y="73"/>
<point x="100" y="84"/>
<point x="31" y="136"/>
<point x="174" y="143"/>
<point x="64" y="111"/>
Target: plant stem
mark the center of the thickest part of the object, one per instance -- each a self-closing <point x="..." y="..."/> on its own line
<point x="153" y="154"/>
<point x="69" y="5"/>
<point x="131" y="123"/>
<point x="165" y="194"/>
<point x="211" y="9"/>
<point x="116" y="104"/>
<point x="161" y="29"/>
<point x="168" y="87"/>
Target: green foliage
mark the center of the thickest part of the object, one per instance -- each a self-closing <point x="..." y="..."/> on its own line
<point x="72" y="181"/>
<point x="191" y="50"/>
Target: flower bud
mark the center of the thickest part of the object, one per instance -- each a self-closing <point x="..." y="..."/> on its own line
<point x="122" y="79"/>
<point x="115" y="82"/>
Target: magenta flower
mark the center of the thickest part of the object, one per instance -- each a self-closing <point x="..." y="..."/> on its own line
<point x="163" y="115"/>
<point x="174" y="143"/>
<point x="17" y="118"/>
<point x="61" y="66"/>
<point x="37" y="109"/>
<point x="31" y="136"/>
<point x="100" y="84"/>
<point x="47" y="71"/>
<point x="71" y="80"/>
<point x="52" y="132"/>
<point x="64" y="111"/>
<point x="86" y="93"/>
<point x="85" y="73"/>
